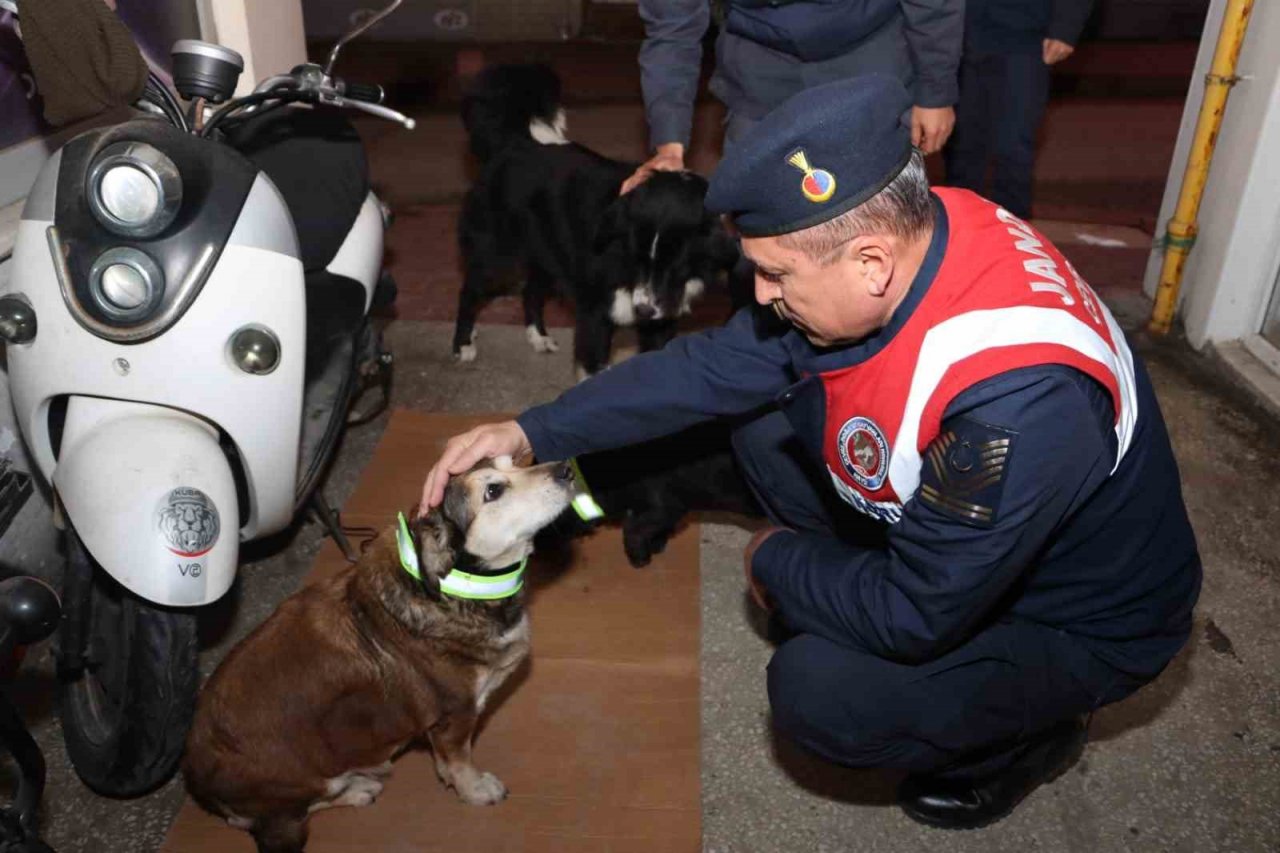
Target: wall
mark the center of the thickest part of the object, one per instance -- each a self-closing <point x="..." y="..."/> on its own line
<point x="1231" y="269"/>
<point x="267" y="33"/>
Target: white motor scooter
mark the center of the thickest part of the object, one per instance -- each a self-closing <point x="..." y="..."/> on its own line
<point x="187" y="331"/>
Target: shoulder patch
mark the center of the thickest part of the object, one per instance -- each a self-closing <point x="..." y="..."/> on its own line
<point x="964" y="469"/>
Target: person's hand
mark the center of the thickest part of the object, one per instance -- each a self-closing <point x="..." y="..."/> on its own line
<point x="462" y="451"/>
<point x="668" y="158"/>
<point x="931" y="127"/>
<point x="1056" y="50"/>
<point x="759" y="594"/>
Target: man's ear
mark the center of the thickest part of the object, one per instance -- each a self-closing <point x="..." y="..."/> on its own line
<point x="873" y="260"/>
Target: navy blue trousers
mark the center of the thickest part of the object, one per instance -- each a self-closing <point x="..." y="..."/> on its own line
<point x="1002" y="99"/>
<point x="964" y="715"/>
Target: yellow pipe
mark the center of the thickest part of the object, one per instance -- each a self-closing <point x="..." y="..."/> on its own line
<point x="1181" y="233"/>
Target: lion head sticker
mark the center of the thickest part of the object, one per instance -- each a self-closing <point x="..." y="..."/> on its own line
<point x="188" y="522"/>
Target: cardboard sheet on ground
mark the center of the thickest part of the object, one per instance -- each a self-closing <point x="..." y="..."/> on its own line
<point x="596" y="739"/>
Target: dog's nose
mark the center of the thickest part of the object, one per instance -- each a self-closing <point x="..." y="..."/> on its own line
<point x="563" y="471"/>
<point x="645" y="312"/>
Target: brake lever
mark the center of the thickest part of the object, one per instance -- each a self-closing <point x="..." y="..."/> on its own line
<point x="333" y="99"/>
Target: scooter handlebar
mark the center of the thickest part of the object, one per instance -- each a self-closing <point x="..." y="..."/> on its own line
<point x="369" y="93"/>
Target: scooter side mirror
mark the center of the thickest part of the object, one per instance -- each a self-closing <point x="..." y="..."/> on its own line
<point x="29" y="607"/>
<point x="356" y="32"/>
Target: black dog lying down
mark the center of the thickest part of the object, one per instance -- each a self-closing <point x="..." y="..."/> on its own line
<point x="650" y="487"/>
<point x="546" y="211"/>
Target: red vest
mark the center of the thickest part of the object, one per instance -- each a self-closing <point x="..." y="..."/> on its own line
<point x="1003" y="298"/>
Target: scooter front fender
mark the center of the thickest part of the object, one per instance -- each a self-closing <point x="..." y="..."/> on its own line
<point x="151" y="495"/>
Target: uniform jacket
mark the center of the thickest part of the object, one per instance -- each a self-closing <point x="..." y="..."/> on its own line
<point x="765" y="54"/>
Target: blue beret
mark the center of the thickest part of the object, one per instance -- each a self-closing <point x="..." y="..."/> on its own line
<point x="818" y="154"/>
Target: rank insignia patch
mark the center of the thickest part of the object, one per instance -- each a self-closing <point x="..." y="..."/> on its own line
<point x="964" y="470"/>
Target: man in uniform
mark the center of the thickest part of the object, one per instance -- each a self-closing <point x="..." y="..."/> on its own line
<point x="944" y="371"/>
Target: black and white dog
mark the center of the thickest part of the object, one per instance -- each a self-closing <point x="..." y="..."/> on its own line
<point x="546" y="211"/>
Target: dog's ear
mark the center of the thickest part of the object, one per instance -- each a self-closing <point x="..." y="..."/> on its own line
<point x="722" y="246"/>
<point x="434" y="539"/>
<point x="613" y="224"/>
<point x="456" y="509"/>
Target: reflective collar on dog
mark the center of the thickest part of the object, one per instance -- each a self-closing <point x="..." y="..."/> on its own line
<point x="461" y="584"/>
<point x="583" y="503"/>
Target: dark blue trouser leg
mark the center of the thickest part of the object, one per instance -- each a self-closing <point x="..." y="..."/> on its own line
<point x="1002" y="100"/>
<point x="1020" y="86"/>
<point x="962" y="714"/>
<point x="968" y="152"/>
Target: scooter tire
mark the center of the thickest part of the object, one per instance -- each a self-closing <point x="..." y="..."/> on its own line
<point x="126" y="696"/>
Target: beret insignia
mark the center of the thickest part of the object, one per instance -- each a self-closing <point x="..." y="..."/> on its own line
<point x="818" y="185"/>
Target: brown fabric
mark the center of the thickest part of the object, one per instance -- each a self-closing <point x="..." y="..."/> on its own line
<point x="597" y="737"/>
<point x="83" y="57"/>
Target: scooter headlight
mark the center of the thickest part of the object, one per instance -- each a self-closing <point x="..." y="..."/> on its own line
<point x="134" y="189"/>
<point x="126" y="284"/>
<point x="255" y="349"/>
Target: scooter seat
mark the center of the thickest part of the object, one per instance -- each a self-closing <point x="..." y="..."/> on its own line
<point x="317" y="161"/>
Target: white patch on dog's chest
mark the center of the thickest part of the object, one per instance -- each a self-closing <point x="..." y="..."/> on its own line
<point x="623" y="312"/>
<point x="692" y="290"/>
<point x="553" y="133"/>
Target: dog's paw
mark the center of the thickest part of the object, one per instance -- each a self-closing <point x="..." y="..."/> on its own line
<point x="466" y="353"/>
<point x="486" y="790"/>
<point x="362" y="797"/>
<point x="539" y="341"/>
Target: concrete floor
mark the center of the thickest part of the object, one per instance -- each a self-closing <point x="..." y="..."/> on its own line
<point x="1191" y="763"/>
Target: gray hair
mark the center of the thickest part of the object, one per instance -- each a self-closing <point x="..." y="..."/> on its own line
<point x="904" y="209"/>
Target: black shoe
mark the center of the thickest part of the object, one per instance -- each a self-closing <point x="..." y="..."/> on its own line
<point x="778" y="632"/>
<point x="953" y="804"/>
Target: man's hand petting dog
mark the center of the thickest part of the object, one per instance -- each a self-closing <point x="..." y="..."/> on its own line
<point x="462" y="452"/>
<point x="668" y="157"/>
<point x="759" y="594"/>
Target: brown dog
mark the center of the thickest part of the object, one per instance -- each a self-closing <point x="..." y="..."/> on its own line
<point x="309" y="710"/>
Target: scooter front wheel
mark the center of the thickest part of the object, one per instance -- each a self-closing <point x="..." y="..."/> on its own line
<point x="127" y="680"/>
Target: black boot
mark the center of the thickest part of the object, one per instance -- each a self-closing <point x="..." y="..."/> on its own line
<point x="953" y="804"/>
<point x="778" y="632"/>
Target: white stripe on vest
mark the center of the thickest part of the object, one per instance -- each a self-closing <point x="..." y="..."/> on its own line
<point x="968" y="334"/>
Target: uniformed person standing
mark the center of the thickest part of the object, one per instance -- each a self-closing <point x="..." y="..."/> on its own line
<point x="1009" y="47"/>
<point x="768" y="50"/>
<point x="944" y="371"/>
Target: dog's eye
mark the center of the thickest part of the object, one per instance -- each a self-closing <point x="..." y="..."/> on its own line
<point x="493" y="491"/>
